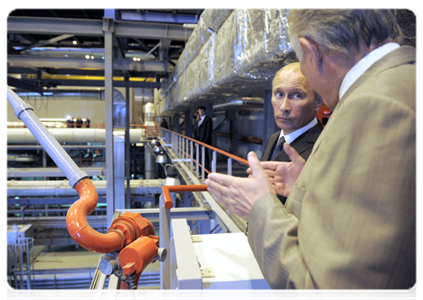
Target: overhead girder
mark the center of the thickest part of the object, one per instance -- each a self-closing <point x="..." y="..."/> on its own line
<point x="98" y="83"/>
<point x="47" y="42"/>
<point x="164" y="17"/>
<point x="54" y="71"/>
<point x="57" y="26"/>
<point x="24" y="85"/>
<point x="21" y="70"/>
<point x="71" y="63"/>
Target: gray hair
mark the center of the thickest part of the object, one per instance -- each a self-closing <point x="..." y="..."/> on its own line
<point x="342" y="30"/>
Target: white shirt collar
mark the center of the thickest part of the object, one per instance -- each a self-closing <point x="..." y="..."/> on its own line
<point x="201" y="120"/>
<point x="290" y="137"/>
<point x="363" y="64"/>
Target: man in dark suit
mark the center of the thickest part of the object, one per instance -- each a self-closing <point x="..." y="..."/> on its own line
<point x="164" y="123"/>
<point x="203" y="132"/>
<point x="295" y="105"/>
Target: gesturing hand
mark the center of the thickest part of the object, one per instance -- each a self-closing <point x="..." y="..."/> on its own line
<point x="237" y="193"/>
<point x="284" y="174"/>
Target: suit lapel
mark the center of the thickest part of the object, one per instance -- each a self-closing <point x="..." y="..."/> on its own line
<point x="270" y="145"/>
<point x="304" y="142"/>
<point x="307" y="140"/>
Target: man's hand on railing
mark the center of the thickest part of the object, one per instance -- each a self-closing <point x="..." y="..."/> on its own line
<point x="284" y="174"/>
<point x="239" y="194"/>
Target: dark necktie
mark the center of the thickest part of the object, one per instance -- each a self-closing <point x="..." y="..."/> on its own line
<point x="278" y="148"/>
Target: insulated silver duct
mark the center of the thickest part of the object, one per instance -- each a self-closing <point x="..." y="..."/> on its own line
<point x="71" y="135"/>
<point x="61" y="188"/>
<point x="239" y="104"/>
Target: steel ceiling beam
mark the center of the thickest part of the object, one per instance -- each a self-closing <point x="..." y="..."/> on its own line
<point x="58" y="26"/>
<point x="72" y="63"/>
<point x="47" y="42"/>
<point x="163" y="17"/>
<point x="95" y="83"/>
<point x="21" y="70"/>
<point x="54" y="26"/>
<point x="27" y="86"/>
<point x="51" y="71"/>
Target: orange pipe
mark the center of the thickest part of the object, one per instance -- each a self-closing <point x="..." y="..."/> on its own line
<point x="237" y="158"/>
<point x="81" y="231"/>
<point x="124" y="230"/>
<point x="167" y="189"/>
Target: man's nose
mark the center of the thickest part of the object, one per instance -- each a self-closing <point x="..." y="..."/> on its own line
<point x="285" y="105"/>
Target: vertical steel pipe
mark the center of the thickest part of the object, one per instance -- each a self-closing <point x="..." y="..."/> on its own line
<point x="108" y="29"/>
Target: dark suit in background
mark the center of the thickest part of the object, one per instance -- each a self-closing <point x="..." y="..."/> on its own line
<point x="203" y="133"/>
<point x="302" y="144"/>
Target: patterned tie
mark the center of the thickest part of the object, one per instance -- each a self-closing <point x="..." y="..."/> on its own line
<point x="278" y="148"/>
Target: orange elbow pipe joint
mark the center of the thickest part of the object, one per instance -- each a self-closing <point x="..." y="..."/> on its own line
<point x="130" y="234"/>
<point x="124" y="230"/>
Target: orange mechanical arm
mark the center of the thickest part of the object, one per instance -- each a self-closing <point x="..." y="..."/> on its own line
<point x="135" y="258"/>
<point x="125" y="229"/>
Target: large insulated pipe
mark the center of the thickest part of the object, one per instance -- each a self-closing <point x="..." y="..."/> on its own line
<point x="61" y="188"/>
<point x="237" y="104"/>
<point x="26" y="114"/>
<point x="71" y="135"/>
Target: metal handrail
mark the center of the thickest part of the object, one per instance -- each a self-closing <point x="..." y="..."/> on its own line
<point x="234" y="157"/>
<point x="167" y="189"/>
<point x="183" y="146"/>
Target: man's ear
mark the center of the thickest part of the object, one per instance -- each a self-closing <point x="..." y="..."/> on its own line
<point x="318" y="102"/>
<point x="312" y="50"/>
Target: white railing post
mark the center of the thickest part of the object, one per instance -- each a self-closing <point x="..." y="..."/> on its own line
<point x="186" y="149"/>
<point x="183" y="148"/>
<point x="197" y="154"/>
<point x="164" y="237"/>
<point x="229" y="166"/>
<point x="191" y="154"/>
<point x="203" y="162"/>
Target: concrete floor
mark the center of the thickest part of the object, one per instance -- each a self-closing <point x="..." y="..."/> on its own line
<point x="75" y="269"/>
<point x="66" y="260"/>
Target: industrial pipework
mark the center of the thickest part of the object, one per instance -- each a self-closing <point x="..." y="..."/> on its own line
<point x="129" y="234"/>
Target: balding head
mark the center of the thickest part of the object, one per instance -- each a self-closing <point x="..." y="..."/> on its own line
<point x="287" y="68"/>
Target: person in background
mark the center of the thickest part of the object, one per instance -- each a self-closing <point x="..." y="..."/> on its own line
<point x="350" y="220"/>
<point x="203" y="132"/>
<point x="164" y="123"/>
<point x="87" y="122"/>
<point x="78" y="122"/>
<point x="69" y="122"/>
<point x="295" y="105"/>
<point x="196" y="119"/>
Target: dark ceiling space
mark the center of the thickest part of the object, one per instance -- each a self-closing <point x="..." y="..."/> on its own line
<point x="147" y="44"/>
<point x="48" y="48"/>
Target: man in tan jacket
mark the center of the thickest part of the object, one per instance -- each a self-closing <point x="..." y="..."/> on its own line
<point x="349" y="220"/>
